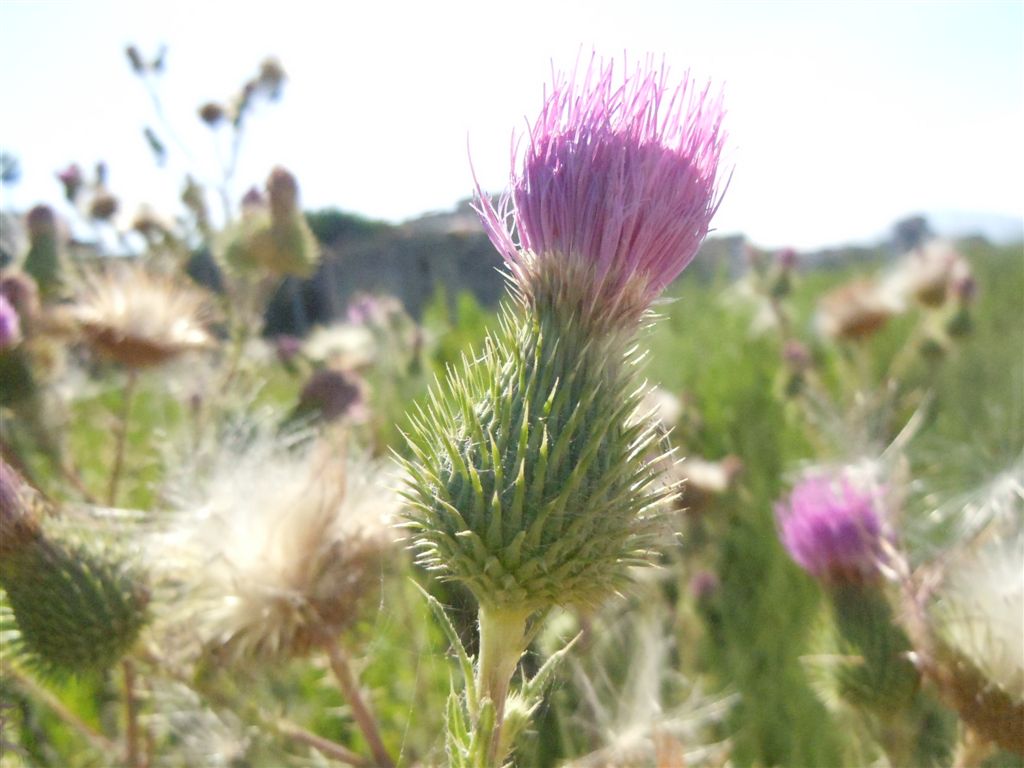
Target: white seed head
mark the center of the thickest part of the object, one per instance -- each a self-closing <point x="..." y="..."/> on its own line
<point x="981" y="611"/>
<point x="282" y="545"/>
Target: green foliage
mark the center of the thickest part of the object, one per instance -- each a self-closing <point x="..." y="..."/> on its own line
<point x="334" y="227"/>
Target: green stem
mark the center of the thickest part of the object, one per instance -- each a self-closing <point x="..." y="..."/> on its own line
<point x="502" y="643"/>
<point x="121" y="437"/>
<point x="361" y="711"/>
<point x="131" y="716"/>
<point x="97" y="740"/>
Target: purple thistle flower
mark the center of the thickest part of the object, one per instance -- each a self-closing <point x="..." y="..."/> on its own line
<point x="832" y="527"/>
<point x="10" y="324"/>
<point x="616" y="192"/>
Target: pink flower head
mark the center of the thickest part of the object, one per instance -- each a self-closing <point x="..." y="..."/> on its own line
<point x="832" y="527"/>
<point x="616" y="191"/>
<point x="10" y="324"/>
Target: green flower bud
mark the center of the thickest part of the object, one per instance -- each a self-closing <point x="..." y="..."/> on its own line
<point x="530" y="485"/>
<point x="77" y="609"/>
<point x="44" y="261"/>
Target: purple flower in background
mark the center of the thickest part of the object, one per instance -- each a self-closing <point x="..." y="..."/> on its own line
<point x="72" y="180"/>
<point x="787" y="258"/>
<point x="616" y="191"/>
<point x="832" y="527"/>
<point x="10" y="325"/>
<point x="287" y="347"/>
<point x="704" y="585"/>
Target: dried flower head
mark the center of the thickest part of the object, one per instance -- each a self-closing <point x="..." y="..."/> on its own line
<point x="213" y="114"/>
<point x="333" y="395"/>
<point x="616" y="192"/>
<point x="138" y="318"/>
<point x="282" y="547"/>
<point x="928" y="272"/>
<point x="150" y="224"/>
<point x="975" y="652"/>
<point x="103" y="205"/>
<point x="856" y="310"/>
<point x="271" y="78"/>
<point x="833" y="525"/>
<point x="343" y="346"/>
<point x="706" y="479"/>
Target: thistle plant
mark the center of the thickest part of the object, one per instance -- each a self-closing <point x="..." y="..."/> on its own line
<point x="531" y="484"/>
<point x="44" y="259"/>
<point x="78" y="607"/>
<point x="837" y="526"/>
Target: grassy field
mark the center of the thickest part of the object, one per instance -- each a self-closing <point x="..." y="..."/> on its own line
<point x="717" y="676"/>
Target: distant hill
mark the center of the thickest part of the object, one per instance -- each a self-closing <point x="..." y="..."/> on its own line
<point x="996" y="228"/>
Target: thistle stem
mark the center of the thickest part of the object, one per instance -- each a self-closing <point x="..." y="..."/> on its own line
<point x="326" y="747"/>
<point x="361" y="711"/>
<point x="502" y="644"/>
<point x="131" y="716"/>
<point x="121" y="437"/>
<point x="97" y="740"/>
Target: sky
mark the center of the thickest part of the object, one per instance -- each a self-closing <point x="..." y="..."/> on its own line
<point x="842" y="116"/>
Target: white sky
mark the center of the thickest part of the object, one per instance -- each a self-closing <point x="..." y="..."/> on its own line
<point x="842" y="116"/>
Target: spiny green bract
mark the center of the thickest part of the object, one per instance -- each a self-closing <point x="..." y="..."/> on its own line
<point x="530" y="482"/>
<point x="881" y="676"/>
<point x="76" y="610"/>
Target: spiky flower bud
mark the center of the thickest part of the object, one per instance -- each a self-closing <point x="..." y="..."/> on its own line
<point x="43" y="260"/>
<point x="833" y="526"/>
<point x="283" y="193"/>
<point x="529" y="486"/>
<point x="616" y="192"/>
<point x="856" y="310"/>
<point x="77" y="607"/>
<point x="278" y="239"/>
